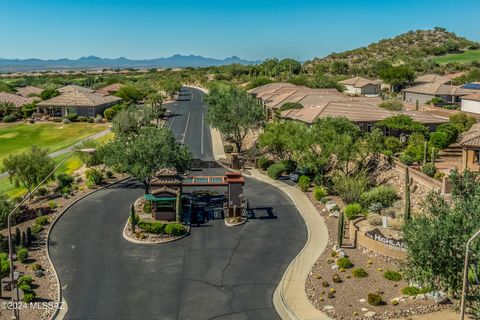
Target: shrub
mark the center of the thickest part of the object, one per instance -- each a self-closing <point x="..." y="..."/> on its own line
<point x="276" y="170"/>
<point x="90" y="120"/>
<point x="289" y="165"/>
<point x="29" y="297"/>
<point x="109" y="114"/>
<point x="264" y="162"/>
<point x="35" y="266"/>
<point x="228" y="148"/>
<point x="64" y="181"/>
<point x="450" y="130"/>
<point x="109" y="174"/>
<point x="350" y="188"/>
<point x="42" y="221"/>
<point x="41" y="191"/>
<point x="71" y="116"/>
<point x="344" y="263"/>
<point x="439" y="175"/>
<point x="175" y="229"/>
<point x="429" y="169"/>
<point x="375" y="219"/>
<point x="9" y="118"/>
<point x="392" y="104"/>
<point x="22" y="254"/>
<point x="66" y="121"/>
<point x="25" y="280"/>
<point x="82" y="119"/>
<point x="386" y="195"/>
<point x="336" y="278"/>
<point x="393" y="144"/>
<point x="439" y="140"/>
<point x="52" y="204"/>
<point x="406" y="159"/>
<point x="152" y="227"/>
<point x="392" y="275"/>
<point x="411" y="291"/>
<point x="304" y="183"/>
<point x="36" y="229"/>
<point x="94" y="175"/>
<point x="319" y="193"/>
<point x="374" y="299"/>
<point x="359" y="273"/>
<point x="147" y="207"/>
<point x="352" y="211"/>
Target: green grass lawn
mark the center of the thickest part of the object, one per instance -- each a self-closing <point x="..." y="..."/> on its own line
<point x="465" y="57"/>
<point x="17" y="138"/>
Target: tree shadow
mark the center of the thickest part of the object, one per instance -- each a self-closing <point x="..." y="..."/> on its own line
<point x="262" y="213"/>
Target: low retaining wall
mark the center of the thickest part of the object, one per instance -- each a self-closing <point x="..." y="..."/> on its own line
<point x="384" y="249"/>
<point x="419" y="177"/>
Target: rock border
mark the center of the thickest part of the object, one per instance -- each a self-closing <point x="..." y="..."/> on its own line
<point x="132" y="240"/>
<point x="230" y="225"/>
<point x="61" y="312"/>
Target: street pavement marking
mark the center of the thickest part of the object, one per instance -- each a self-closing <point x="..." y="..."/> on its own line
<point x="170" y="126"/>
<point x="186" y="127"/>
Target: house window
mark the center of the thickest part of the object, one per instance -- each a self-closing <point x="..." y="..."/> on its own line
<point x="369" y="127"/>
<point x="91" y="111"/>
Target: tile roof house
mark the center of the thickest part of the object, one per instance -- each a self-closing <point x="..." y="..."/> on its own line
<point x="110" y="89"/>
<point x="471" y="103"/>
<point x="433" y="78"/>
<point x="28" y="91"/>
<point x="361" y="86"/>
<point x="74" y="87"/>
<point x="16" y="100"/>
<point x="274" y="95"/>
<point x="470" y="143"/>
<point x="81" y="102"/>
<point x="425" y="92"/>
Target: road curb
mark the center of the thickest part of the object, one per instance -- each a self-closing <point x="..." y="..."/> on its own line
<point x="62" y="312"/>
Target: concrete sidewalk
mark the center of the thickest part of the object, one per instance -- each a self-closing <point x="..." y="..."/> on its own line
<point x="290" y="298"/>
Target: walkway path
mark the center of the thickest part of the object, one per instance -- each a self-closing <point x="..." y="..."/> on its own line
<point x="70" y="148"/>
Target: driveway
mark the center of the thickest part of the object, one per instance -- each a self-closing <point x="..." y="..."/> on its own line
<point x="215" y="273"/>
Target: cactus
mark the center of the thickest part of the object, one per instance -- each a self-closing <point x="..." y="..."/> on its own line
<point x="425" y="153"/>
<point x="341" y="221"/>
<point x="416" y="105"/>
<point x="133" y="218"/>
<point x="408" y="184"/>
<point x="433" y="156"/>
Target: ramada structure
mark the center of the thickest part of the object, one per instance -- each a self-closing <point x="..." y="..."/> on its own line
<point x="167" y="187"/>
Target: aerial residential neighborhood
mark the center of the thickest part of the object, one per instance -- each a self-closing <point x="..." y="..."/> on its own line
<point x="241" y="160"/>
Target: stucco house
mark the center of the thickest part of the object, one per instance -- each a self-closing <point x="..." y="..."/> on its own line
<point x="17" y="100"/>
<point x="470" y="143"/>
<point x="471" y="103"/>
<point x="29" y="91"/>
<point x="425" y="92"/>
<point x="361" y="86"/>
<point x="432" y="78"/>
<point x="83" y="103"/>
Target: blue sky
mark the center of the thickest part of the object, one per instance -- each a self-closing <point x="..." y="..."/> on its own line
<point x="249" y="29"/>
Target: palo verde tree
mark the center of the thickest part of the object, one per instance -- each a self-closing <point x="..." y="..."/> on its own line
<point x="436" y="238"/>
<point x="155" y="101"/>
<point x="143" y="154"/>
<point x="398" y="76"/>
<point x="280" y="138"/>
<point x="234" y="113"/>
<point x="29" y="168"/>
<point x="130" y="94"/>
<point x="130" y="121"/>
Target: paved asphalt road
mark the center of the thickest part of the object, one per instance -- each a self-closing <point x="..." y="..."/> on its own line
<point x="215" y="273"/>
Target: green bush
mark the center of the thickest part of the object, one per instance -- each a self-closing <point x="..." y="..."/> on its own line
<point x="22" y="255"/>
<point x="41" y="191"/>
<point x="52" y="204"/>
<point x="359" y="273"/>
<point x="392" y="104"/>
<point x="95" y="176"/>
<point x="450" y="130"/>
<point x="374" y="299"/>
<point x="406" y="159"/>
<point x="392" y="275"/>
<point x="25" y="280"/>
<point x="36" y="229"/>
<point x="429" y="169"/>
<point x="319" y="193"/>
<point x="393" y="144"/>
<point x="147" y="207"/>
<point x="411" y="291"/>
<point x="344" y="263"/>
<point x="9" y="118"/>
<point x="42" y="221"/>
<point x="71" y="116"/>
<point x="175" y="229"/>
<point x="109" y="114"/>
<point x="64" y="181"/>
<point x="439" y="140"/>
<point x="439" y="175"/>
<point x="29" y="297"/>
<point x="386" y="195"/>
<point x="228" y="148"/>
<point x="155" y="227"/>
<point x="353" y="210"/>
<point x="276" y="170"/>
<point x="304" y="183"/>
<point x="264" y="163"/>
<point x="289" y="165"/>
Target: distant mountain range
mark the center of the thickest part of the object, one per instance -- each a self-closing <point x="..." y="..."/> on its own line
<point x="93" y="62"/>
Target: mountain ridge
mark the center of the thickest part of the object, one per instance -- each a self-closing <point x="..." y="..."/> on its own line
<point x="94" y="62"/>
